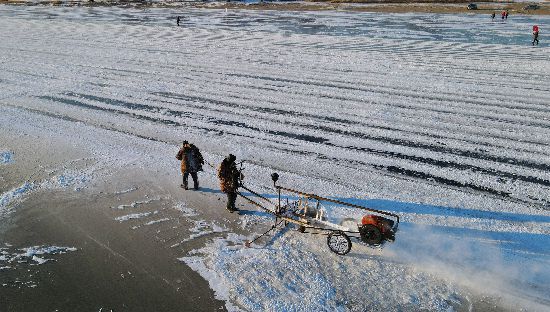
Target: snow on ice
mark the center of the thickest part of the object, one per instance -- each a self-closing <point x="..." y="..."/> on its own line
<point x="129" y="190"/>
<point x="294" y="279"/>
<point x="201" y="228"/>
<point x="20" y="259"/>
<point x="157" y="221"/>
<point x="6" y="157"/>
<point x="10" y="197"/>
<point x="134" y="216"/>
<point x="33" y="255"/>
<point x="137" y="203"/>
<point x="185" y="211"/>
<point x="70" y="178"/>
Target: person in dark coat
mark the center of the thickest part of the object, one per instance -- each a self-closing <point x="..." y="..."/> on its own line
<point x="198" y="156"/>
<point x="493" y="16"/>
<point x="178" y="21"/>
<point x="229" y="177"/>
<point x="190" y="164"/>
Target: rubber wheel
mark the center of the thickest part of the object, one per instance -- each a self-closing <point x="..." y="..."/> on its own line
<point x="339" y="243"/>
<point x="370" y="234"/>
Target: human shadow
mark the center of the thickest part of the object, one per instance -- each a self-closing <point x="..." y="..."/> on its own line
<point x="209" y="190"/>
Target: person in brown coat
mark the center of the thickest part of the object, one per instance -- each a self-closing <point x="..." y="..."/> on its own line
<point x="191" y="159"/>
<point x="229" y="177"/>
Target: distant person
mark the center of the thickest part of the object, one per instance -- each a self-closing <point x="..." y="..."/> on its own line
<point x="229" y="177"/>
<point x="506" y="15"/>
<point x="536" y="34"/>
<point x="178" y="21"/>
<point x="493" y="16"/>
<point x="190" y="164"/>
<point x="503" y="14"/>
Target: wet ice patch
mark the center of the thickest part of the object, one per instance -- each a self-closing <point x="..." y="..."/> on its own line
<point x="6" y="157"/>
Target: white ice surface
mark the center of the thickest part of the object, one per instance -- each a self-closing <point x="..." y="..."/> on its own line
<point x="442" y="119"/>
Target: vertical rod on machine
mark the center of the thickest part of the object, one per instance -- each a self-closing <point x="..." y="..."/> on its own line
<point x="279" y="202"/>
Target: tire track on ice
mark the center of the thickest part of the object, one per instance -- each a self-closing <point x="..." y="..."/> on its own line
<point x="394" y="169"/>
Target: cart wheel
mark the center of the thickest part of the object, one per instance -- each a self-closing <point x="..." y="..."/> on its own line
<point x="370" y="234"/>
<point x="338" y="242"/>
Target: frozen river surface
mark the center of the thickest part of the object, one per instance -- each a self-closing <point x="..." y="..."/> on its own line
<point x="444" y="119"/>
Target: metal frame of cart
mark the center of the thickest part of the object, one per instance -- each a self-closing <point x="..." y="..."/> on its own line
<point x="301" y="214"/>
